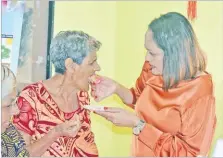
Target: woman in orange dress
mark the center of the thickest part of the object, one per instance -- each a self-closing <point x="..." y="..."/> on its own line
<point x="173" y="97"/>
<point x="52" y="118"/>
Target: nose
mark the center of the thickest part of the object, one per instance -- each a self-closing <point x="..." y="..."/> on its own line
<point x="97" y="67"/>
<point x="148" y="57"/>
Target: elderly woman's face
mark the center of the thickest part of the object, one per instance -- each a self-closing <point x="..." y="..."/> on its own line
<point x="84" y="71"/>
<point x="9" y="107"/>
<point x="154" y="54"/>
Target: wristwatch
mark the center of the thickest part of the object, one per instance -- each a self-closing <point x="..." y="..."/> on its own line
<point x="139" y="127"/>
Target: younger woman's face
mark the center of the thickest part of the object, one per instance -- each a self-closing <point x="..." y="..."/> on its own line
<point x="154" y="54"/>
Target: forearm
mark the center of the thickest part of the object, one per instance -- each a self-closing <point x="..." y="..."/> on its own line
<point x="38" y="148"/>
<point x="124" y="93"/>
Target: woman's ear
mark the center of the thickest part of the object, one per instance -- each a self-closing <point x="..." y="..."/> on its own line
<point x="70" y="65"/>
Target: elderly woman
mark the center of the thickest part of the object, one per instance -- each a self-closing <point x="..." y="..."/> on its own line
<point x="12" y="142"/>
<point x="173" y="98"/>
<point x="46" y="104"/>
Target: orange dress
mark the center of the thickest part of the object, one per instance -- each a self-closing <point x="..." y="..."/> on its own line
<point x="39" y="113"/>
<point x="180" y="122"/>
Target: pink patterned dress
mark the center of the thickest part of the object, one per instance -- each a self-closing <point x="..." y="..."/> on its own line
<point x="39" y="113"/>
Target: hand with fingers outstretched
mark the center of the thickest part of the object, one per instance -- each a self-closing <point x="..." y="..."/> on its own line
<point x="119" y="116"/>
<point x="103" y="88"/>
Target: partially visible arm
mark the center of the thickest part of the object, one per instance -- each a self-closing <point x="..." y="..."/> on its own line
<point x="68" y="129"/>
<point x="26" y="123"/>
<point x="124" y="93"/>
<point x="130" y="96"/>
<point x="38" y="148"/>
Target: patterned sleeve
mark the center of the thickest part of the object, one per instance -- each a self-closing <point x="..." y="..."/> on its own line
<point x="4" y="149"/>
<point x="13" y="145"/>
<point x="26" y="120"/>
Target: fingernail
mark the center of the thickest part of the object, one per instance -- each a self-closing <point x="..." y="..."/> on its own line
<point x="105" y="108"/>
<point x="98" y="81"/>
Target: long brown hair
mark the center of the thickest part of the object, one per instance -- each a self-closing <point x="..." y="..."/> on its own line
<point x="183" y="58"/>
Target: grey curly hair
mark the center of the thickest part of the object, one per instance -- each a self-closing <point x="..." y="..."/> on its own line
<point x="71" y="44"/>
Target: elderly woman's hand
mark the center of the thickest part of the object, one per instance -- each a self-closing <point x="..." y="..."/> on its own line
<point x="119" y="117"/>
<point x="69" y="128"/>
<point x="104" y="88"/>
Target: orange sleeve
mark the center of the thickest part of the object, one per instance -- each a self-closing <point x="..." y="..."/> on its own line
<point x="194" y="136"/>
<point x="141" y="82"/>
